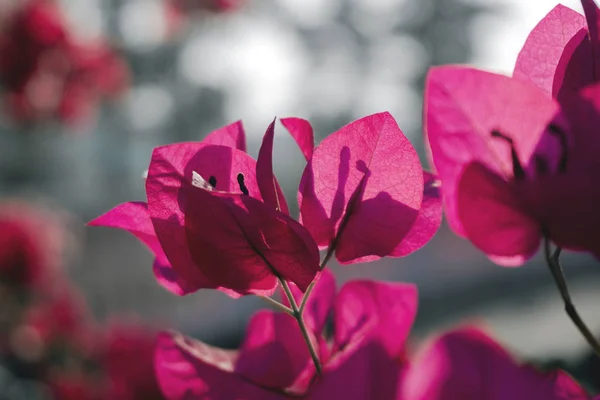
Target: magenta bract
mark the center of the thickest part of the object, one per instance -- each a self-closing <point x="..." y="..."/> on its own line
<point x="362" y="189"/>
<point x="498" y="144"/>
<point x="561" y="54"/>
<point x="467" y="364"/>
<point x="206" y="211"/>
<point x="371" y="321"/>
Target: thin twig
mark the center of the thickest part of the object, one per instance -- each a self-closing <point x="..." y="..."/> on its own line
<point x="277" y="304"/>
<point x="552" y="259"/>
<point x="298" y="316"/>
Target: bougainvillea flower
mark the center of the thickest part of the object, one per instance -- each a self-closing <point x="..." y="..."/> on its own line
<point x="31" y="243"/>
<point x="560" y="54"/>
<point x="511" y="171"/>
<point x="363" y="359"/>
<point x="61" y="318"/>
<point x="128" y="360"/>
<point x="468" y="364"/>
<point x="362" y="190"/>
<point x="206" y="210"/>
<point x="47" y="72"/>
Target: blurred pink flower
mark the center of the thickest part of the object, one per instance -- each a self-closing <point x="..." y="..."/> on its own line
<point x="48" y="73"/>
<point x="363" y="359"/>
<point x="128" y="360"/>
<point x="467" y="364"/>
<point x="31" y="245"/>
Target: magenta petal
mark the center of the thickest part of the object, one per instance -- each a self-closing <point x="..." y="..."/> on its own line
<point x="274" y="353"/>
<point x="365" y="373"/>
<point x="189" y="369"/>
<point x="370" y="310"/>
<point x="549" y="45"/>
<point x="371" y="152"/>
<point x="303" y="134"/>
<point x="569" y="209"/>
<point x="592" y="16"/>
<point x="134" y="218"/>
<point x="232" y="135"/>
<point x="493" y="216"/>
<point x="462" y="107"/>
<point x="269" y="189"/>
<point x="320" y="302"/>
<point x="243" y="244"/>
<point x="171" y="171"/>
<point x="428" y="221"/>
<point x="467" y="364"/>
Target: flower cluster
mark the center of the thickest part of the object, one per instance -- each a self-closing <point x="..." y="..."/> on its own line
<point x="516" y="163"/>
<point x="47" y="333"/>
<point x="47" y="72"/>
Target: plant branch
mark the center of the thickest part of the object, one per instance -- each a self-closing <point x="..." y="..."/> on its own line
<point x="278" y="305"/>
<point x="297" y="314"/>
<point x="552" y="259"/>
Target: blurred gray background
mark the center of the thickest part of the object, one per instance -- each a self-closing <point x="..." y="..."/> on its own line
<point x="330" y="61"/>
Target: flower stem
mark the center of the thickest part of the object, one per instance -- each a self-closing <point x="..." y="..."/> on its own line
<point x="278" y="305"/>
<point x="552" y="259"/>
<point x="297" y="314"/>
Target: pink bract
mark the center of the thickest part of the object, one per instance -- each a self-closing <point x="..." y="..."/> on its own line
<point x="468" y="364"/>
<point x="206" y="210"/>
<point x="494" y="142"/>
<point x="363" y="362"/>
<point x="561" y="53"/>
<point x="362" y="189"/>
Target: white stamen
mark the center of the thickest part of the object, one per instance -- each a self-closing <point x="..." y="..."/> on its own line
<point x="199" y="182"/>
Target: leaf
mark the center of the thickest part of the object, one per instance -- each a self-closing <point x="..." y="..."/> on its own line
<point x="366" y="178"/>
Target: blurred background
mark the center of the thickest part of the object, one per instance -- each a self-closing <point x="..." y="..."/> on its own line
<point x="115" y="78"/>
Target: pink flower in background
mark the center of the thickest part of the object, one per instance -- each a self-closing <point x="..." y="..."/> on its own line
<point x="219" y="218"/>
<point x="47" y="73"/>
<point x="512" y="168"/>
<point x="31" y="245"/>
<point x="128" y="360"/>
<point x="364" y="192"/>
<point x="59" y="319"/>
<point x="467" y="364"/>
<point x="363" y="359"/>
<point x="562" y="53"/>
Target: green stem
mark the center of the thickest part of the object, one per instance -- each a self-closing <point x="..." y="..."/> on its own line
<point x="297" y="314"/>
<point x="552" y="259"/>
